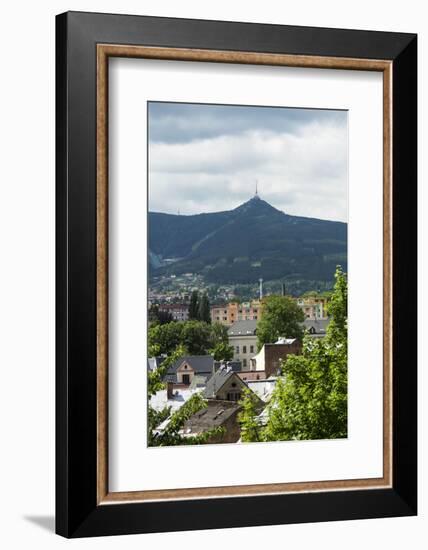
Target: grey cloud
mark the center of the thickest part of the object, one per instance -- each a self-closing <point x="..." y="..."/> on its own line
<point x="184" y="122"/>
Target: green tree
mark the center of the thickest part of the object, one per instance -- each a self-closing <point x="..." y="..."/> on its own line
<point x="222" y="352"/>
<point x="170" y="433"/>
<point x="194" y="306"/>
<point x="282" y="317"/>
<point x="156" y="316"/>
<point x="310" y="398"/>
<point x="196" y="337"/>
<point x="251" y="428"/>
<point x="164" y="339"/>
<point x="204" y="313"/>
<point x="219" y="334"/>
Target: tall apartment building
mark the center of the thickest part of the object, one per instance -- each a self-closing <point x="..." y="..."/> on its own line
<point x="235" y="311"/>
<point x="314" y="307"/>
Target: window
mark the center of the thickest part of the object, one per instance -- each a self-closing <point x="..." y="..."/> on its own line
<point x="244" y="349"/>
<point x="237" y="349"/>
<point x="233" y="396"/>
<point x="244" y="362"/>
<point x="186" y="379"/>
<point x="251" y="349"/>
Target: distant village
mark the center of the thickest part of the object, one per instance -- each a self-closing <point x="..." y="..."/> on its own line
<point x="223" y="383"/>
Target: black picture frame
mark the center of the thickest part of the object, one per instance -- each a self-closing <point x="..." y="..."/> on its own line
<point x="77" y="511"/>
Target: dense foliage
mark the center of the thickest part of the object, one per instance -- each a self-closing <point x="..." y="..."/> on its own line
<point x="251" y="429"/>
<point x="222" y="352"/>
<point x="199" y="307"/>
<point x="156" y="316"/>
<point x="197" y="337"/>
<point x="282" y="317"/>
<point x="310" y="398"/>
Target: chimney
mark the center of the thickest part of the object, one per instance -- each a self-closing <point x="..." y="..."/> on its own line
<point x="261" y="288"/>
<point x="169" y="390"/>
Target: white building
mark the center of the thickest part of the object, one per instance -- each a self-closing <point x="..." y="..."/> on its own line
<point x="243" y="339"/>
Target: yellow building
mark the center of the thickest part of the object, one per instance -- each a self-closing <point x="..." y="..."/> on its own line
<point x="235" y="311"/>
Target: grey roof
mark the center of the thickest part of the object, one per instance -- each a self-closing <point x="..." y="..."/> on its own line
<point x="320" y="325"/>
<point x="199" y="381"/>
<point x="243" y="328"/>
<point x="235" y="365"/>
<point x="201" y="364"/>
<point x="212" y="416"/>
<point x="217" y="381"/>
<point x="154" y="362"/>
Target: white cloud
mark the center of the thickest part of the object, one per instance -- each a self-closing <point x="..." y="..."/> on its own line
<point x="302" y="174"/>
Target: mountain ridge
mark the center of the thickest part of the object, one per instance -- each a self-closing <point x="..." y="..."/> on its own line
<point x="250" y="241"/>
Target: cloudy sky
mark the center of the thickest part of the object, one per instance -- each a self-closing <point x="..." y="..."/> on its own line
<point x="207" y="158"/>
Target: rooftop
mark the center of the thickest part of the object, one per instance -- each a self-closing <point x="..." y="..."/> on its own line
<point x="243" y="328"/>
<point x="212" y="416"/>
<point x="319" y="325"/>
<point x="286" y="341"/>
<point x="160" y="399"/>
<point x="217" y="380"/>
<point x="199" y="363"/>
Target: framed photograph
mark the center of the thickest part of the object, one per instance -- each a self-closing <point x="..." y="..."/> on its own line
<point x="236" y="274"/>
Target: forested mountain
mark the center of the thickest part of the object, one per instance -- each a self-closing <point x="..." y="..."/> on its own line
<point x="239" y="246"/>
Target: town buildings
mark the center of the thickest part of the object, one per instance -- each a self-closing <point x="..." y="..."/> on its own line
<point x="269" y="358"/>
<point x="224" y="385"/>
<point x="218" y="414"/>
<point x="316" y="328"/>
<point x="236" y="311"/>
<point x="178" y="312"/>
<point x="314" y="307"/>
<point x="183" y="371"/>
<point x="243" y="339"/>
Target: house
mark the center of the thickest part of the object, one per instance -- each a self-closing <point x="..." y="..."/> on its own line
<point x="243" y="339"/>
<point x="316" y="328"/>
<point x="224" y="385"/>
<point x="218" y="414"/>
<point x="269" y="357"/>
<point x="186" y="368"/>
